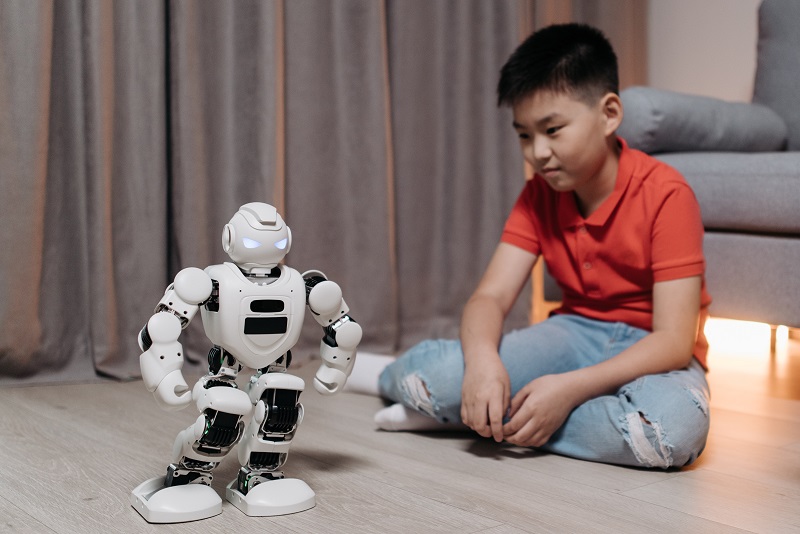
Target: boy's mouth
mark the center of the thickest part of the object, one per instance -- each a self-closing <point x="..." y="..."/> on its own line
<point x="549" y="172"/>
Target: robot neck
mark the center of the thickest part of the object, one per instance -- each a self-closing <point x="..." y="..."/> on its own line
<point x="259" y="273"/>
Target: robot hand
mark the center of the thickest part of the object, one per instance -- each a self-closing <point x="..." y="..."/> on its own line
<point x="337" y="358"/>
<point x="162" y="360"/>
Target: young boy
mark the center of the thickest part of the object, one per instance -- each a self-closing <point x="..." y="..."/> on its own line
<point x="617" y="373"/>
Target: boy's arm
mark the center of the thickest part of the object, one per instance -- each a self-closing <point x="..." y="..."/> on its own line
<point x="543" y="405"/>
<point x="486" y="390"/>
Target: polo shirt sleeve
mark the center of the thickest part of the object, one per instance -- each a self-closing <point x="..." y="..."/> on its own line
<point x="520" y="228"/>
<point x="677" y="239"/>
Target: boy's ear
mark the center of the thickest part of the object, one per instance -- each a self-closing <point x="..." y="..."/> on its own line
<point x="611" y="106"/>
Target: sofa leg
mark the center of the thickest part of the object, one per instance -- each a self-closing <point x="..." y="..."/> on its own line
<point x="773" y="339"/>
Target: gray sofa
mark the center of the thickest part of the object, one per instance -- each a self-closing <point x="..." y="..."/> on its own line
<point x="743" y="162"/>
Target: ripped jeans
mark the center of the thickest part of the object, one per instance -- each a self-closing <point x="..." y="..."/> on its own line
<point x="657" y="421"/>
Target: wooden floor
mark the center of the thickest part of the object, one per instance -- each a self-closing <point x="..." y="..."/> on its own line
<point x="70" y="455"/>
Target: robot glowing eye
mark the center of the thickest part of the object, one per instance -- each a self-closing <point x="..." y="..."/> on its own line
<point x="250" y="243"/>
<point x="282" y="243"/>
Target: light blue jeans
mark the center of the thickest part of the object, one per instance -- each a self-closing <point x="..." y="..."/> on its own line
<point x="657" y="421"/>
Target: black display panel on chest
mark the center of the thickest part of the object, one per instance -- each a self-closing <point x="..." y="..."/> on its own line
<point x="266" y="323"/>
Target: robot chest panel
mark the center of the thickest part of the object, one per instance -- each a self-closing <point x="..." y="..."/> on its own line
<point x="256" y="322"/>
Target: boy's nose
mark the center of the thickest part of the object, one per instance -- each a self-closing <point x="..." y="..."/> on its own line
<point x="541" y="150"/>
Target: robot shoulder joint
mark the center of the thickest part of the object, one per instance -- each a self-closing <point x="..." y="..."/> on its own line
<point x="193" y="285"/>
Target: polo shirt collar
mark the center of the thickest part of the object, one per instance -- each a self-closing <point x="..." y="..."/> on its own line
<point x="568" y="214"/>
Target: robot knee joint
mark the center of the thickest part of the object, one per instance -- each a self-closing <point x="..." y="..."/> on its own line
<point x="221" y="432"/>
<point x="283" y="412"/>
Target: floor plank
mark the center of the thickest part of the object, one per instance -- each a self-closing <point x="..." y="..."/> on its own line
<point x="727" y="499"/>
<point x="12" y="519"/>
<point x="775" y="467"/>
<point x="72" y="453"/>
<point x="478" y="476"/>
<point x="503" y="529"/>
<point x="754" y="428"/>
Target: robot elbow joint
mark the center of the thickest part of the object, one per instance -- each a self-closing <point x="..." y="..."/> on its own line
<point x="348" y="335"/>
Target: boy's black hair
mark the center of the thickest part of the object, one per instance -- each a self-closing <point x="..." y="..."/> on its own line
<point x="565" y="58"/>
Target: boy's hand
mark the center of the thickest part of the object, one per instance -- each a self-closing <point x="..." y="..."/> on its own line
<point x="485" y="395"/>
<point x="538" y="410"/>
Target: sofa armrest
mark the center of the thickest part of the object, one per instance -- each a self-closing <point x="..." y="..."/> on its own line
<point x="657" y="121"/>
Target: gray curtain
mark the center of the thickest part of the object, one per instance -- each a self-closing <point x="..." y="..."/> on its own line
<point x="84" y="183"/>
<point x="131" y="131"/>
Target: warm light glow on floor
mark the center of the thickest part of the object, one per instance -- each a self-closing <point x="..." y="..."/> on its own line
<point x="741" y="338"/>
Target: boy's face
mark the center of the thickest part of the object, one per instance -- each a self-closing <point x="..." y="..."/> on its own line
<point x="565" y="139"/>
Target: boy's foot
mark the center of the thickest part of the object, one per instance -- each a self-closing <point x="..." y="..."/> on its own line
<point x="399" y="418"/>
<point x="366" y="371"/>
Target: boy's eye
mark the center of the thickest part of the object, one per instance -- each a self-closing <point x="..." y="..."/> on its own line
<point x="524" y="136"/>
<point x="553" y="130"/>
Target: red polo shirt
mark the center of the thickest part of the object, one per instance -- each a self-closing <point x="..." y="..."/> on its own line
<point x="649" y="230"/>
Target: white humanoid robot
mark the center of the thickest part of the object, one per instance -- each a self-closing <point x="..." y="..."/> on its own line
<point x="252" y="311"/>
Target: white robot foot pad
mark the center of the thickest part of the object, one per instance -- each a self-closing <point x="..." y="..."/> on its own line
<point x="176" y="504"/>
<point x="275" y="497"/>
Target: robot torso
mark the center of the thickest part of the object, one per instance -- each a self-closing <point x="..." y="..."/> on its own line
<point x="256" y="322"/>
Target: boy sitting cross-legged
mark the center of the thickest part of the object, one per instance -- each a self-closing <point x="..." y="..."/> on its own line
<point x="617" y="373"/>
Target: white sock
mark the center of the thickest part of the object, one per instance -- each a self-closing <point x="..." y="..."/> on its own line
<point x="366" y="370"/>
<point x="397" y="418"/>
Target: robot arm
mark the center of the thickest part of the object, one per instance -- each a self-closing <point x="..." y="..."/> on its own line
<point x="342" y="333"/>
<point x="162" y="354"/>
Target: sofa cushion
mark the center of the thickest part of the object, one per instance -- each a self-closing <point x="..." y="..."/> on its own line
<point x="757" y="193"/>
<point x="778" y="68"/>
<point x="658" y="121"/>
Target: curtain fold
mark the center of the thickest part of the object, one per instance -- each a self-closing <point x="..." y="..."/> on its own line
<point x="26" y="51"/>
<point x="336" y="160"/>
<point x="130" y="132"/>
<point x="86" y="81"/>
<point x="458" y="164"/>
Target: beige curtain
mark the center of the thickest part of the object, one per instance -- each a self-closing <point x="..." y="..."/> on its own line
<point x="131" y="131"/>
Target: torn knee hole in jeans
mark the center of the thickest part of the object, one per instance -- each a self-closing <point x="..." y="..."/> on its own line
<point x="647" y="440"/>
<point x="417" y="394"/>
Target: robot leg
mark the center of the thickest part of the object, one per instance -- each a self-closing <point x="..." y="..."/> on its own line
<point x="261" y="489"/>
<point x="185" y="493"/>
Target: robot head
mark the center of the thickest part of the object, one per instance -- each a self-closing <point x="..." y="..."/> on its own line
<point x="256" y="238"/>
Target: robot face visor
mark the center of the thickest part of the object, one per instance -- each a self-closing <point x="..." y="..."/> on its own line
<point x="252" y="243"/>
<point x="264" y="245"/>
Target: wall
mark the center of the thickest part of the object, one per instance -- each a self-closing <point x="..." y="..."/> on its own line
<point x="705" y="47"/>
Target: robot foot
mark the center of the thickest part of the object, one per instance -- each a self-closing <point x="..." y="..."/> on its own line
<point x="275" y="497"/>
<point x="176" y="504"/>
